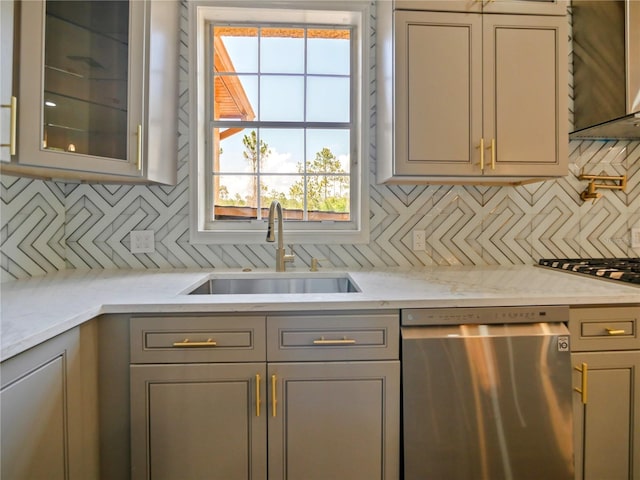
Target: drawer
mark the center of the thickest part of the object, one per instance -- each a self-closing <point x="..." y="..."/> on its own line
<point x="195" y="339"/>
<point x="604" y="328"/>
<point x="330" y="337"/>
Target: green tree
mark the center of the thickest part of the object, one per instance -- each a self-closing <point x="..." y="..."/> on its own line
<point x="254" y="154"/>
<point x="327" y="190"/>
<point x="223" y="192"/>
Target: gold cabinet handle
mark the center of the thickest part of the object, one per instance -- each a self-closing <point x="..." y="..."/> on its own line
<point x="257" y="394"/>
<point x="188" y="343"/>
<point x="139" y="149"/>
<point x="493" y="154"/>
<point x="583" y="387"/>
<point x="481" y="147"/>
<point x="337" y="341"/>
<point x="274" y="395"/>
<point x="13" y="113"/>
<point x="615" y="331"/>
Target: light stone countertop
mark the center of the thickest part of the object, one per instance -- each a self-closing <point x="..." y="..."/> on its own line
<point x="35" y="310"/>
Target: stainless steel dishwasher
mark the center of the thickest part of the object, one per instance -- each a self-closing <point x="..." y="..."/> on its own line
<point x="487" y="394"/>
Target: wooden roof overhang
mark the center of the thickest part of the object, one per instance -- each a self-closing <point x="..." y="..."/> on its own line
<point x="229" y="95"/>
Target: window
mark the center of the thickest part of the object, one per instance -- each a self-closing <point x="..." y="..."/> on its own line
<point x="279" y="108"/>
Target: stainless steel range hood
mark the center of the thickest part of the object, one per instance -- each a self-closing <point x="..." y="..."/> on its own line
<point x="606" y="69"/>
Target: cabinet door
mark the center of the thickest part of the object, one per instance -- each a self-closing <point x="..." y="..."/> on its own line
<point x="81" y="86"/>
<point x="438" y="93"/>
<point x="33" y="424"/>
<point x="440" y="5"/>
<point x="49" y="410"/>
<point x="6" y="77"/>
<point x="334" y="420"/>
<point x="525" y="95"/>
<point x="198" y="421"/>
<point x="539" y="7"/>
<point x="607" y="426"/>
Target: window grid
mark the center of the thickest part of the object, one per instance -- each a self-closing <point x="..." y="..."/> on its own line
<point x="303" y="125"/>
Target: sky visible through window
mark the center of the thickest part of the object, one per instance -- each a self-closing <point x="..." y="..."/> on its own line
<point x="296" y="92"/>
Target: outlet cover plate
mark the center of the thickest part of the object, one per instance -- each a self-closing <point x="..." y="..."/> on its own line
<point x="635" y="237"/>
<point x="142" y="241"/>
<point x="419" y="240"/>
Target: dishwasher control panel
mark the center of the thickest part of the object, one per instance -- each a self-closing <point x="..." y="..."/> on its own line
<point x="484" y="315"/>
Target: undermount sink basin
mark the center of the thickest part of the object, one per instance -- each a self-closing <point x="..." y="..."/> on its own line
<point x="276" y="284"/>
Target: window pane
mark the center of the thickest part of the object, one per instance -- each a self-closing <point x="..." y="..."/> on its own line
<point x="328" y="150"/>
<point x="328" y="99"/>
<point x="328" y="52"/>
<point x="282" y="98"/>
<point x="286" y="150"/>
<point x="234" y="97"/>
<point x="235" y="49"/>
<point x="284" y="76"/>
<point x="283" y="188"/>
<point x="328" y="193"/>
<point x="231" y="198"/>
<point x="282" y="50"/>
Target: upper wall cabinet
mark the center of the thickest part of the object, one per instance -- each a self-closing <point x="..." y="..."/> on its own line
<point x="471" y="98"/>
<point x="539" y="7"/>
<point x="8" y="112"/>
<point x="97" y="92"/>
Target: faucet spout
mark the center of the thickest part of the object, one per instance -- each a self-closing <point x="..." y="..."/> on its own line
<point x="281" y="257"/>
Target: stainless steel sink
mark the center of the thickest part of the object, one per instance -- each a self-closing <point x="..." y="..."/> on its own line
<point x="276" y="284"/>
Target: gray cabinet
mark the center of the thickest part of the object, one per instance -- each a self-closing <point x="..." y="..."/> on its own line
<point x="539" y="7"/>
<point x="485" y="103"/>
<point x="197" y="394"/>
<point x="8" y="112"/>
<point x="49" y="410"/>
<point x="283" y="397"/>
<point x="335" y="393"/>
<point x="334" y="420"/>
<point x="97" y="91"/>
<point x="198" y="421"/>
<point x="606" y="358"/>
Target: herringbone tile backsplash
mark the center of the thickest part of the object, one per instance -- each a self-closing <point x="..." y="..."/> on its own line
<point x="49" y="226"/>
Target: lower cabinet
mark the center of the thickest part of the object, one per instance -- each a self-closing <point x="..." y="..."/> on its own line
<point x="333" y="420"/>
<point x="334" y="415"/>
<point x="48" y="404"/>
<point x="198" y="421"/>
<point x="606" y="358"/>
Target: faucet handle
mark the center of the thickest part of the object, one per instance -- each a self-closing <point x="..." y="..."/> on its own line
<point x="289" y="258"/>
<point x="315" y="262"/>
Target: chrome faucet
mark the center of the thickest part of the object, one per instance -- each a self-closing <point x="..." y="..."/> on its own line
<point x="281" y="257"/>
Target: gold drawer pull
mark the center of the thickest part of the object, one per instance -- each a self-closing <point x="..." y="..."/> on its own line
<point x="338" y="341"/>
<point x="274" y="395"/>
<point x="139" y="148"/>
<point x="13" y="109"/>
<point x="583" y="384"/>
<point x="257" y="394"/>
<point x="493" y="149"/>
<point x="615" y="331"/>
<point x="188" y="343"/>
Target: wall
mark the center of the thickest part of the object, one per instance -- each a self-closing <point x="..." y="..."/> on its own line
<point x="47" y="226"/>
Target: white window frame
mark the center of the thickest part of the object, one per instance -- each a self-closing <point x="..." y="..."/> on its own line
<point x="349" y="13"/>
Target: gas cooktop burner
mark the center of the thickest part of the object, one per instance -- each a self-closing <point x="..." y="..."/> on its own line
<point x="621" y="269"/>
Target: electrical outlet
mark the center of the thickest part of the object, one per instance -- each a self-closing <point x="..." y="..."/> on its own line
<point x="142" y="241"/>
<point x="635" y="237"/>
<point x="419" y="240"/>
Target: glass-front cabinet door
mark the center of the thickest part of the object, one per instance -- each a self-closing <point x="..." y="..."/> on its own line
<point x="86" y="58"/>
<point x="7" y="99"/>
<point x="81" y="86"/>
